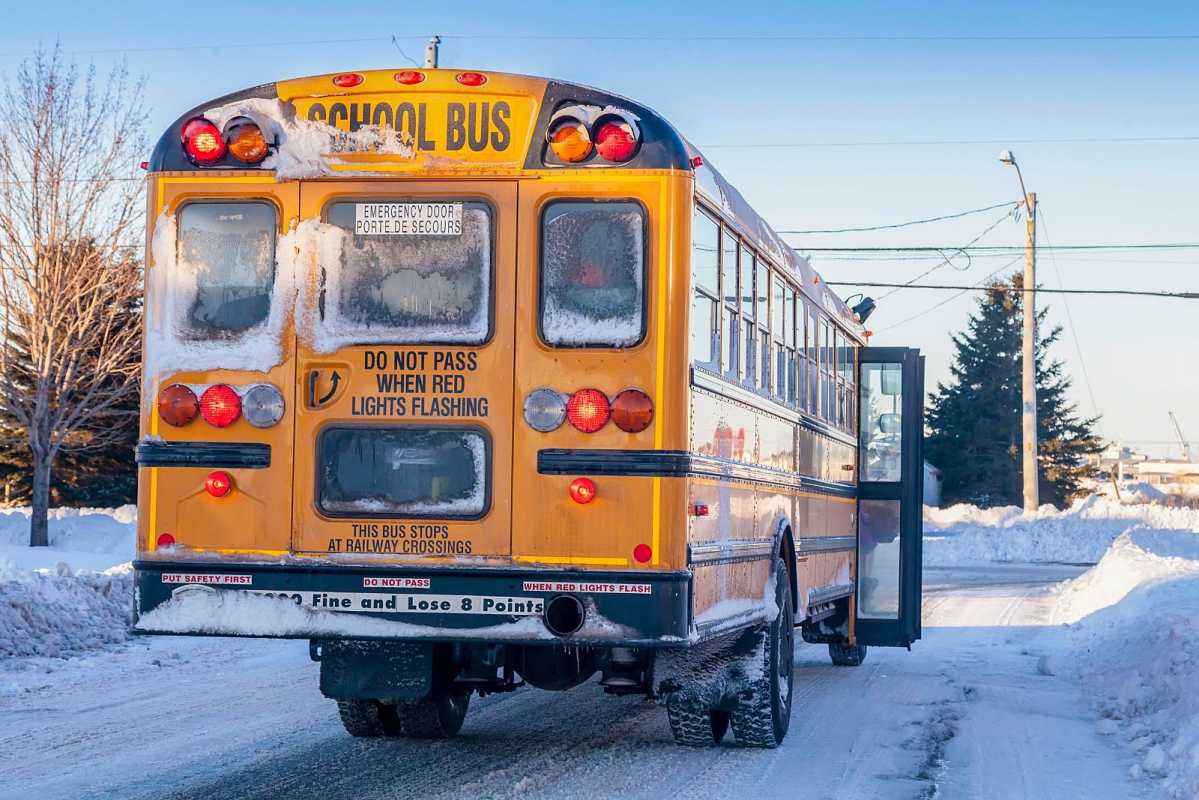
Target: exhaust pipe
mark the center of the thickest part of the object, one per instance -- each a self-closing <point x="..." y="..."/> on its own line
<point x="564" y="615"/>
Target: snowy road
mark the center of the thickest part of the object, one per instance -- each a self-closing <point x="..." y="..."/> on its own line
<point x="967" y="714"/>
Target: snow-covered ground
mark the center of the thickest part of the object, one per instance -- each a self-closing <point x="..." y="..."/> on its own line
<point x="1033" y="680"/>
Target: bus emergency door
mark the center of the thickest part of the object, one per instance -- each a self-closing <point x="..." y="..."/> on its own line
<point x="890" y="495"/>
<point x="404" y="377"/>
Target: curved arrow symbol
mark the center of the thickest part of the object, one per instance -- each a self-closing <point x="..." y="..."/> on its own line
<point x="336" y="379"/>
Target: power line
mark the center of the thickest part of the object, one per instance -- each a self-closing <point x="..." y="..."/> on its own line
<point x="1038" y="290"/>
<point x="947" y="259"/>
<point x="953" y="297"/>
<point x="1001" y="247"/>
<point x="924" y="142"/>
<point x="1069" y="317"/>
<point x="650" y="37"/>
<point x="912" y="222"/>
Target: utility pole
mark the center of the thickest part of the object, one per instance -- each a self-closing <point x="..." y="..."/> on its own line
<point x="1032" y="493"/>
<point x="431" y="53"/>
<point x="1029" y="465"/>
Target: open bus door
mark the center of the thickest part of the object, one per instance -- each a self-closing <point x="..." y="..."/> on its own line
<point x="890" y="496"/>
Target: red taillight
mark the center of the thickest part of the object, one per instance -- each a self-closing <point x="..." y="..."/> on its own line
<point x="165" y="540"/>
<point x="218" y="483"/>
<point x="177" y="405"/>
<point x="220" y="406"/>
<point x="409" y="77"/>
<point x="348" y="80"/>
<point x="588" y="410"/>
<point x="700" y="509"/>
<point x="471" y="78"/>
<point x="582" y="490"/>
<point x="632" y="410"/>
<point x="202" y="141"/>
<point x="642" y="553"/>
<point x="616" y="140"/>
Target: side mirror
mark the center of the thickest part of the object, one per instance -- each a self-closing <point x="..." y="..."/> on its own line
<point x="891" y="380"/>
<point x="889" y="423"/>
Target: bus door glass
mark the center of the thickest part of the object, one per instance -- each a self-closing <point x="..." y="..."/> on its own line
<point x="890" y="501"/>
<point x="404" y="379"/>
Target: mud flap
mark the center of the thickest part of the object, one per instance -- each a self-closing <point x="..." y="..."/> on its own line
<point x="376" y="670"/>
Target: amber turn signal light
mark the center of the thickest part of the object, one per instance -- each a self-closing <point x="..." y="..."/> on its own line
<point x="177" y="405"/>
<point x="245" y="141"/>
<point x="632" y="410"/>
<point x="582" y="490"/>
<point x="569" y="140"/>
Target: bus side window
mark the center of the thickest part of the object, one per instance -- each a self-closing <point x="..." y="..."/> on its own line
<point x="762" y="281"/>
<point x="778" y="326"/>
<point x="813" y="363"/>
<point x="593" y="273"/>
<point x="705" y="275"/>
<point x="228" y="250"/>
<point x="789" y="329"/>
<point x="730" y="325"/>
<point x="828" y="387"/>
<point x="748" y="294"/>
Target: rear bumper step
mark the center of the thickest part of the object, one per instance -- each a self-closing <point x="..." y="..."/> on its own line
<point x="408" y="603"/>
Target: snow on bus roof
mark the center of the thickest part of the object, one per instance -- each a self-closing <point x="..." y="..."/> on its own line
<point x="716" y="189"/>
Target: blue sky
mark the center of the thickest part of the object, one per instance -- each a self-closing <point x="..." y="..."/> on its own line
<point x="1139" y="353"/>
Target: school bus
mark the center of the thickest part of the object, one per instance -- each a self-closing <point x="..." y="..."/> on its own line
<point x="477" y="380"/>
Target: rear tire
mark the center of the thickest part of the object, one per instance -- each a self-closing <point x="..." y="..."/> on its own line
<point x="437" y="717"/>
<point x="694" y="726"/>
<point x="762" y="718"/>
<point x="847" y="655"/>
<point x="369" y="718"/>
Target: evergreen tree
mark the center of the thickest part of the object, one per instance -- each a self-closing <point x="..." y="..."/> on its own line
<point x="974" y="422"/>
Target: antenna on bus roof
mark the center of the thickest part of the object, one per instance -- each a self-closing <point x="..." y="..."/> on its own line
<point x="431" y="53"/>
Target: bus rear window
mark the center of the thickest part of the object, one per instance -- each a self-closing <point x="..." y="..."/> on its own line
<point x="228" y="249"/>
<point x="402" y="471"/>
<point x="593" y="274"/>
<point x="416" y="280"/>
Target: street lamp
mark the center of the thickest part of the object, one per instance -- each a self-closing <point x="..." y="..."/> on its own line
<point x="1029" y="357"/>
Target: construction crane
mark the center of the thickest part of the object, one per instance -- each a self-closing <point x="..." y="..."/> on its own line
<point x="1186" y="446"/>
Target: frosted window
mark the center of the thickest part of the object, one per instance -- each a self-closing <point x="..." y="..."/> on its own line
<point x="227" y="255"/>
<point x="410" y="289"/>
<point x="405" y="472"/>
<point x="593" y="274"/>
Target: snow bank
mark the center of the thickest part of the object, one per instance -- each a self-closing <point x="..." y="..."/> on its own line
<point x="1132" y="638"/>
<point x="70" y="597"/>
<point x="965" y="534"/>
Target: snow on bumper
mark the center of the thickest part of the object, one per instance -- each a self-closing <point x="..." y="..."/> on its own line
<point x="407" y="604"/>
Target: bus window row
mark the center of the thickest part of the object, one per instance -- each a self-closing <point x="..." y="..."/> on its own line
<point x="751" y="325"/>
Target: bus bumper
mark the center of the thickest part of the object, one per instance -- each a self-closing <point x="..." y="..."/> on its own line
<point x="446" y="604"/>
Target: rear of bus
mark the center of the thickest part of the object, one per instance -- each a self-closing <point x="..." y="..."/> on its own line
<point x="391" y="319"/>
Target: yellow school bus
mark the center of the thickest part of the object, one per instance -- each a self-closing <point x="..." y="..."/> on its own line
<point x="478" y="380"/>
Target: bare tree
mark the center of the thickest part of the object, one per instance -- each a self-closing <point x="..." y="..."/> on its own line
<point x="70" y="204"/>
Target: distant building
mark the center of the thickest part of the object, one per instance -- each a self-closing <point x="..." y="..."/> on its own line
<point x="1166" y="470"/>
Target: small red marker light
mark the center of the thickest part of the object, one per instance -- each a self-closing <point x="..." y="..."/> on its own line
<point x="701" y="509"/>
<point x="409" y="77"/>
<point x="218" y="483"/>
<point x="582" y="490"/>
<point x="144" y="165"/>
<point x="165" y="540"/>
<point x="642" y="553"/>
<point x="471" y="78"/>
<point x="697" y="161"/>
<point x="347" y="80"/>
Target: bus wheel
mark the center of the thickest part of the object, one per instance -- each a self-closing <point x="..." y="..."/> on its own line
<point x="436" y="717"/>
<point x="693" y="726"/>
<point x="762" y="718"/>
<point x="847" y="655"/>
<point x="369" y="718"/>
